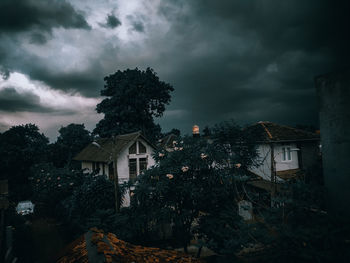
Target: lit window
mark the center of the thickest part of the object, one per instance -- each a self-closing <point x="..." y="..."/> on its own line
<point x="286" y="154"/>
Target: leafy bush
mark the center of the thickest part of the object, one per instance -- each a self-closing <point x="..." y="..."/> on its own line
<point x="52" y="185"/>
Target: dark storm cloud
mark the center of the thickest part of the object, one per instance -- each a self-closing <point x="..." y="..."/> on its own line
<point x="111" y="22"/>
<point x="4" y="73"/>
<point x="136" y="23"/>
<point x="247" y="60"/>
<point x="12" y="101"/>
<point x="252" y="60"/>
<point x="88" y="82"/>
<point x="23" y="15"/>
<point x="37" y="38"/>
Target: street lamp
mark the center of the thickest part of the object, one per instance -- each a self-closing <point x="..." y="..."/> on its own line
<point x="114" y="157"/>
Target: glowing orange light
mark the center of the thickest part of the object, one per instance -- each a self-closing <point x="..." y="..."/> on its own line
<point x="195" y="129"/>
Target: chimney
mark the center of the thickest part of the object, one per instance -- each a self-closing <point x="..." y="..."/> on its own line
<point x="195" y="131"/>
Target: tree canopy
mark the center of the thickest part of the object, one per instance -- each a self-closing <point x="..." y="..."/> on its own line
<point x="71" y="140"/>
<point x="20" y="148"/>
<point x="134" y="98"/>
<point x="199" y="176"/>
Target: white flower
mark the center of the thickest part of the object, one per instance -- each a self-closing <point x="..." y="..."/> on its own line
<point x="59" y="185"/>
<point x="170" y="176"/>
<point x="132" y="193"/>
<point x="58" y="178"/>
<point x="238" y="165"/>
<point x="174" y="142"/>
<point x="176" y="148"/>
<point x="185" y="169"/>
<point x="181" y="148"/>
<point x="161" y="154"/>
<point x="203" y="156"/>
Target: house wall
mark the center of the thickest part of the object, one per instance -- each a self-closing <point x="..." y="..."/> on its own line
<point x="123" y="166"/>
<point x="87" y="166"/>
<point x="286" y="165"/>
<point x="264" y="169"/>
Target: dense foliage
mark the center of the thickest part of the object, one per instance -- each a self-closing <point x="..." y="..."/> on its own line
<point x="134" y="98"/>
<point x="51" y="185"/>
<point x="21" y="147"/>
<point x="199" y="177"/>
<point x="71" y="140"/>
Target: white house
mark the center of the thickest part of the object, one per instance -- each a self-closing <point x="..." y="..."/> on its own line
<point x="284" y="152"/>
<point x="132" y="151"/>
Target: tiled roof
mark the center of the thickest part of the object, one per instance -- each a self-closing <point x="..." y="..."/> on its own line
<point x="94" y="153"/>
<point x="97" y="246"/>
<point x="272" y="132"/>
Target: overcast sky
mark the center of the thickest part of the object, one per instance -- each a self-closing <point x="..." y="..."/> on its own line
<point x="248" y="60"/>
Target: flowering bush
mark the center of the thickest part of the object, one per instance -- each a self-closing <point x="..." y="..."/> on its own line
<point x="52" y="185"/>
<point x="195" y="178"/>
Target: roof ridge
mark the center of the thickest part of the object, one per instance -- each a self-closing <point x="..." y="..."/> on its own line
<point x="293" y="128"/>
<point x="131" y="133"/>
<point x="267" y="131"/>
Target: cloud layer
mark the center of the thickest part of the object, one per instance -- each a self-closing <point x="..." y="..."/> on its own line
<point x="247" y="60"/>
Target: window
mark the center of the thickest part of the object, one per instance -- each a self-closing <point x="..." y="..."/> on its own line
<point x="111" y="171"/>
<point x="143" y="164"/>
<point x="132" y="149"/>
<point x="142" y="148"/>
<point x="138" y="160"/>
<point x="132" y="169"/>
<point x="137" y="148"/>
<point x="286" y="154"/>
<point x="95" y="166"/>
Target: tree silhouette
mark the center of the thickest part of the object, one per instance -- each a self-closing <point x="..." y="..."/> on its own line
<point x="134" y="99"/>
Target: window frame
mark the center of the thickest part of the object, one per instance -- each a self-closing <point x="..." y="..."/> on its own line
<point x="286" y="154"/>
<point x="138" y="157"/>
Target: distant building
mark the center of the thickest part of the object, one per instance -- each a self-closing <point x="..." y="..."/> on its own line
<point x="284" y="152"/>
<point x="133" y="153"/>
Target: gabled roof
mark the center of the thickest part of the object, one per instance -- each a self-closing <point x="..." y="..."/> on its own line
<point x="94" y="153"/>
<point x="264" y="131"/>
<point x="97" y="246"/>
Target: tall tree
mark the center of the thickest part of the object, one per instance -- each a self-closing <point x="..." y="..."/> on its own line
<point x="134" y="98"/>
<point x="20" y="148"/>
<point x="72" y="139"/>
